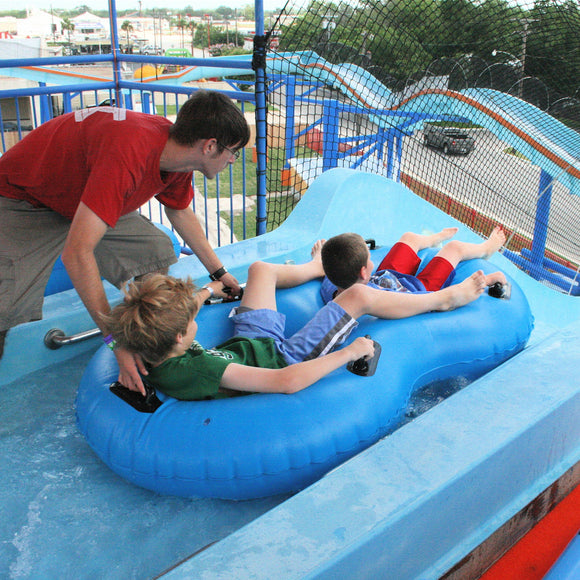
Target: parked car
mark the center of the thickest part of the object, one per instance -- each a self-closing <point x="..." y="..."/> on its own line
<point x="451" y="139"/>
<point x="151" y="50"/>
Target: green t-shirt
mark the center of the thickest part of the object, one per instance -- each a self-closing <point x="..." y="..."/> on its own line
<point x="197" y="374"/>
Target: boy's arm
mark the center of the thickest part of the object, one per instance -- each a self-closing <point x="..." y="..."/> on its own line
<point x="295" y="377"/>
<point x="360" y="299"/>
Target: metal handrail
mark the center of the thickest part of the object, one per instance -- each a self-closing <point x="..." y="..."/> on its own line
<point x="55" y="338"/>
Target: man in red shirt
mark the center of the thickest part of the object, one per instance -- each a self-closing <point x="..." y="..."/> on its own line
<point x="73" y="186"/>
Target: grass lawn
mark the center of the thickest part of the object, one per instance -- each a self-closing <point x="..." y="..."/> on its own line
<point x="277" y="204"/>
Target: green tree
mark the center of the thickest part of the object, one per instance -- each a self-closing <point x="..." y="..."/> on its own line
<point x="552" y="45"/>
<point x="405" y="38"/>
<point x="181" y="24"/>
<point x="225" y="12"/>
<point x="192" y="26"/>
<point x="247" y="12"/>
<point x="68" y="26"/>
<point x="127" y="27"/>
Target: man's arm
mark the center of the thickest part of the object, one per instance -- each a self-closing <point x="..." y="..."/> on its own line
<point x="189" y="228"/>
<point x="86" y="231"/>
<point x="296" y="377"/>
<point x="78" y="256"/>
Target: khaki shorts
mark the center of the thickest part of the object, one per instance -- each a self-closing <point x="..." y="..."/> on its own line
<point x="31" y="239"/>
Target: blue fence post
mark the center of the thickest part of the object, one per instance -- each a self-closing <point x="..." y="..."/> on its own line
<point x="330" y="122"/>
<point x="45" y="106"/>
<point x="541" y="225"/>
<point x="146" y="102"/>
<point x="67" y="102"/>
<point x="390" y="141"/>
<point x="397" y="172"/>
<point x="115" y="50"/>
<point x="289" y="141"/>
<point x="259" y="66"/>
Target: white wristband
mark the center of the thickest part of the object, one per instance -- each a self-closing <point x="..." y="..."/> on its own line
<point x="210" y="290"/>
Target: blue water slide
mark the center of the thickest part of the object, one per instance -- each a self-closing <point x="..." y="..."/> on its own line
<point x="419" y="501"/>
<point x="543" y="139"/>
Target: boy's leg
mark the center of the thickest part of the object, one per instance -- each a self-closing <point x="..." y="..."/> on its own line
<point x="437" y="274"/>
<point x="264" y="278"/>
<point x="328" y="329"/>
<point x="439" y="271"/>
<point x="403" y="258"/>
<point x="421" y="241"/>
<point x="360" y="299"/>
<point x="456" y="251"/>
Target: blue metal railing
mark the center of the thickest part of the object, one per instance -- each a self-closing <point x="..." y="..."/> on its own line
<point x="123" y="96"/>
<point x="45" y="101"/>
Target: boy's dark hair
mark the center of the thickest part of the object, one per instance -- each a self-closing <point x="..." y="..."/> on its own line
<point x="155" y="310"/>
<point x="210" y="115"/>
<point x="343" y="256"/>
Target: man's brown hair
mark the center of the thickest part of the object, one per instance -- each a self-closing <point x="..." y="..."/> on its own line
<point x="210" y="115"/>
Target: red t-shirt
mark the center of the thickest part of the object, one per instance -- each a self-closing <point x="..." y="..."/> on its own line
<point x="108" y="158"/>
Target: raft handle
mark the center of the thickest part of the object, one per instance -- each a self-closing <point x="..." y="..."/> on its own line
<point x="144" y="404"/>
<point x="366" y="367"/>
<point x="55" y="338"/>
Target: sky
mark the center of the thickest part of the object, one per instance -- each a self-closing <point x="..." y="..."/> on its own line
<point x="134" y="4"/>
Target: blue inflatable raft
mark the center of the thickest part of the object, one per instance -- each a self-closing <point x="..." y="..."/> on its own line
<point x="266" y="444"/>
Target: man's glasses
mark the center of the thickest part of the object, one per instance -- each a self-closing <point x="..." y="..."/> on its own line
<point x="235" y="152"/>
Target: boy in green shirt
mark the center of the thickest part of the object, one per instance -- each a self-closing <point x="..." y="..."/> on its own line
<point x="156" y="321"/>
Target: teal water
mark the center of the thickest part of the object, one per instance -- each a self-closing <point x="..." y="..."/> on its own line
<point x="65" y="515"/>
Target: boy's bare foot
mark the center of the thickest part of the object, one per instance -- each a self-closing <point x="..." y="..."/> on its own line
<point x="316" y="251"/>
<point x="467" y="291"/>
<point x="495" y="241"/>
<point x="498" y="276"/>
<point x="444" y="235"/>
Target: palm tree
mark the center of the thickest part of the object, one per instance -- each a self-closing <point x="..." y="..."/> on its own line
<point x="67" y="25"/>
<point x="181" y="25"/>
<point x="127" y="27"/>
<point x="192" y="26"/>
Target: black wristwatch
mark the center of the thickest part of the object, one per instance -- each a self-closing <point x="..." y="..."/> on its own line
<point x="218" y="274"/>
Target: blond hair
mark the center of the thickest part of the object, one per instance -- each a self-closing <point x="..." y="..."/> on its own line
<point x="155" y="310"/>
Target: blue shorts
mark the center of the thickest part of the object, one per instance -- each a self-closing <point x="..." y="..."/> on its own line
<point x="329" y="328"/>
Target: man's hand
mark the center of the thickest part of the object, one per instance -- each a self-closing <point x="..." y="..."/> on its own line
<point x="219" y="290"/>
<point x="230" y="282"/>
<point x="130" y="365"/>
<point x="188" y="227"/>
